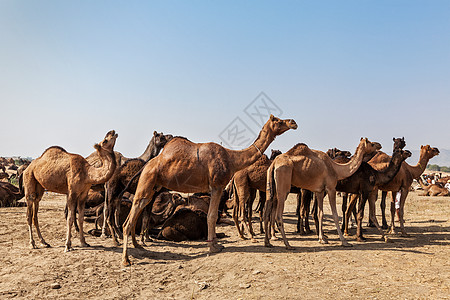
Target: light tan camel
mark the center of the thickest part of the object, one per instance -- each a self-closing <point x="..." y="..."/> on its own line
<point x="402" y="181"/>
<point x="189" y="167"/>
<point x="433" y="189"/>
<point x="58" y="171"/>
<point x="312" y="170"/>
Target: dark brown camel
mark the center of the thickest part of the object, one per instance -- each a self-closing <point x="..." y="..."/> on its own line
<point x="9" y="194"/>
<point x="362" y="183"/>
<point x="58" y="171"/>
<point x="120" y="179"/>
<point x="402" y="181"/>
<point x="189" y="167"/>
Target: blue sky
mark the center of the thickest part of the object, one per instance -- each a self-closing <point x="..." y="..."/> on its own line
<point x="72" y="70"/>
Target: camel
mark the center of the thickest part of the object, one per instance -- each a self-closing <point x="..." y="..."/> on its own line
<point x="58" y="171"/>
<point x="433" y="189"/>
<point x="312" y="170"/>
<point x="245" y="183"/>
<point x="9" y="194"/>
<point x="189" y="167"/>
<point x="362" y="183"/>
<point x="120" y="179"/>
<point x="401" y="182"/>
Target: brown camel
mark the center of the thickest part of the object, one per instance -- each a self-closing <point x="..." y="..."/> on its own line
<point x="245" y="183"/>
<point x="312" y="170"/>
<point x="120" y="182"/>
<point x="402" y="181"/>
<point x="58" y="171"/>
<point x="188" y="167"/>
<point x="433" y="189"/>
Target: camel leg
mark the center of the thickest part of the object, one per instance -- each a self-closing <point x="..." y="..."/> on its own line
<point x="279" y="216"/>
<point x="344" y="212"/>
<point x="372" y="214"/>
<point x="401" y="211"/>
<point x="30" y="201"/>
<point x="268" y="217"/>
<point x="319" y="205"/>
<point x="306" y="205"/>
<point x="383" y="210"/>
<point x="36" y="223"/>
<point x="298" y="214"/>
<point x="262" y="200"/>
<point x="348" y="212"/>
<point x="393" y="211"/>
<point x="71" y="205"/>
<point x="107" y="213"/>
<point x="213" y="211"/>
<point x="332" y="200"/>
<point x="236" y="209"/>
<point x="360" y="216"/>
<point x="81" y="205"/>
<point x="251" y="199"/>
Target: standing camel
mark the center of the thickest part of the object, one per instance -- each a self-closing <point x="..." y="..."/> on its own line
<point x="312" y="170"/>
<point x="58" y="171"/>
<point x="364" y="182"/>
<point x="245" y="183"/>
<point x="189" y="167"/>
<point x="401" y="182"/>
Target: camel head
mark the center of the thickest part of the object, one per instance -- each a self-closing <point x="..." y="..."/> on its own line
<point x="160" y="139"/>
<point x="428" y="152"/>
<point x="399" y="143"/>
<point x="274" y="154"/>
<point x="279" y="126"/>
<point x="368" y="146"/>
<point x="404" y="154"/>
<point x="108" y="142"/>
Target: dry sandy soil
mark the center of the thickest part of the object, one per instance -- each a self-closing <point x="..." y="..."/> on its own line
<point x="416" y="267"/>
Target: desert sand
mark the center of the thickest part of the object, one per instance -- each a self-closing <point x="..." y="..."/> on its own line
<point x="415" y="267"/>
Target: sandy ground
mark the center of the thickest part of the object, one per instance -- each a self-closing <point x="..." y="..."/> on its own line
<point x="417" y="267"/>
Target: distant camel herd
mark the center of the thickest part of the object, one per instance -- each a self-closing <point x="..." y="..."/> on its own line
<point x="216" y="174"/>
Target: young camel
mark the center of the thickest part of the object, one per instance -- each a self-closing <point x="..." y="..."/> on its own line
<point x="312" y="170"/>
<point x="189" y="167"/>
<point x="362" y="183"/>
<point x="245" y="183"/>
<point x="402" y="181"/>
<point x="58" y="171"/>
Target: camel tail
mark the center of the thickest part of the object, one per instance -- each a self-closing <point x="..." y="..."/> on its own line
<point x="271" y="188"/>
<point x="22" y="192"/>
<point x="236" y="197"/>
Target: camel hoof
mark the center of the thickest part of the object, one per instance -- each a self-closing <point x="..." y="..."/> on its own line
<point x="148" y="240"/>
<point x="290" y="248"/>
<point x="33" y="246"/>
<point x="269" y="245"/>
<point x="323" y="241"/>
<point x="126" y="262"/>
<point x="213" y="249"/>
<point x="347" y="245"/>
<point x="391" y="232"/>
<point x="346" y="234"/>
<point x="243" y="238"/>
<point x="45" y="245"/>
<point x="137" y="246"/>
<point x="384" y="226"/>
<point x="404" y="234"/>
<point x="85" y="244"/>
<point x="361" y="239"/>
<point x="68" y="249"/>
<point x="274" y="238"/>
<point x="387" y="240"/>
<point x="254" y="241"/>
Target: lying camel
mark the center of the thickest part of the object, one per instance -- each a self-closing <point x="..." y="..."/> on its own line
<point x="9" y="194"/>
<point x="58" y="171"/>
<point x="433" y="189"/>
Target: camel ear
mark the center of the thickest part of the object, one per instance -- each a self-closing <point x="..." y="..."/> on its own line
<point x="271" y="117"/>
<point x="154" y="133"/>
<point x="97" y="147"/>
<point x="393" y="139"/>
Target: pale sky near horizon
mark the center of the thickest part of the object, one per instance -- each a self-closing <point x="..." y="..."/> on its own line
<point x="72" y="70"/>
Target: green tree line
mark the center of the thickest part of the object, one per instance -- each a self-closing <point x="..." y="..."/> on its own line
<point x="438" y="168"/>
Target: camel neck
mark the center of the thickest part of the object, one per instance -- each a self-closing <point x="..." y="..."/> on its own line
<point x="246" y="157"/>
<point x="418" y="169"/>
<point x="346" y="170"/>
<point x="102" y="174"/>
<point x="150" y="152"/>
<point x="392" y="169"/>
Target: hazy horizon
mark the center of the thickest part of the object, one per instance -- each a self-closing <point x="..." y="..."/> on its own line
<point x="71" y="71"/>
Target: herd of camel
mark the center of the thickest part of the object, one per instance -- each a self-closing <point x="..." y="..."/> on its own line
<point x="188" y="167"/>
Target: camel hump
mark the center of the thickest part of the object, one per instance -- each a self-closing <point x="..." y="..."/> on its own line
<point x="299" y="149"/>
<point x="55" y="148"/>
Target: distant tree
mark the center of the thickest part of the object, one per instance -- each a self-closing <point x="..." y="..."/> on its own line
<point x="433" y="168"/>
